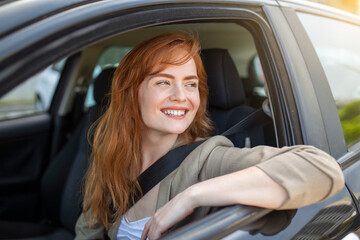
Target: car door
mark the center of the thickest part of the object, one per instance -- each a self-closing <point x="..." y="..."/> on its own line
<point x="276" y="46"/>
<point x="25" y="143"/>
<point x="31" y="131"/>
<point x="332" y="54"/>
<point x="30" y="139"/>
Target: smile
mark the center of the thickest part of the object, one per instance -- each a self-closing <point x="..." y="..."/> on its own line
<point x="174" y="113"/>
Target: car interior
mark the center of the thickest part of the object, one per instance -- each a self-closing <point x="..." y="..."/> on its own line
<point x="236" y="89"/>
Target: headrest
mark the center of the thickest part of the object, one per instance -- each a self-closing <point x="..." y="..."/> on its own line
<point x="102" y="85"/>
<point x="225" y="86"/>
<point x="256" y="75"/>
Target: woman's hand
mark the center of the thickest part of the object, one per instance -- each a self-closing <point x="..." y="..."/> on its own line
<point x="250" y="186"/>
<point x="167" y="216"/>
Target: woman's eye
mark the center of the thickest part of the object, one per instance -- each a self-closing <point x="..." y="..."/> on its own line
<point x="162" y="83"/>
<point x="192" y="84"/>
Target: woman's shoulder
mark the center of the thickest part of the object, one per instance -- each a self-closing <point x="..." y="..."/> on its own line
<point x="214" y="141"/>
<point x="208" y="141"/>
<point x="209" y="147"/>
<point x="211" y="143"/>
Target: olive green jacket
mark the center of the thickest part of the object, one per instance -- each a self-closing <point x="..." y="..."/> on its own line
<point x="308" y="174"/>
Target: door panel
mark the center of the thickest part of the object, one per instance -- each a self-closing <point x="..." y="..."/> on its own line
<point x="24" y="150"/>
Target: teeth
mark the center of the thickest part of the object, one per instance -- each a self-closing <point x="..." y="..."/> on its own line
<point x="174" y="112"/>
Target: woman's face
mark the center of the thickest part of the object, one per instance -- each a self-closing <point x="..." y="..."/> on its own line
<point x="170" y="99"/>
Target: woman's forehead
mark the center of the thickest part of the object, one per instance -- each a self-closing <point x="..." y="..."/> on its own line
<point x="165" y="67"/>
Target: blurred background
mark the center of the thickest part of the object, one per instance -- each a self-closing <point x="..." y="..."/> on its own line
<point x="352" y="6"/>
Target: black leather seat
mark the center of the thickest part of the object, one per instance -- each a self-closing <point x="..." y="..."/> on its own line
<point x="227" y="99"/>
<point x="62" y="181"/>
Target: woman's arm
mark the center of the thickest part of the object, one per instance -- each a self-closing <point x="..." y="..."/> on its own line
<point x="280" y="178"/>
<point x="250" y="186"/>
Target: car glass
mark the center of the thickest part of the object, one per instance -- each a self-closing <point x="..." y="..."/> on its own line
<point x="32" y="96"/>
<point x="337" y="45"/>
<point x="110" y="57"/>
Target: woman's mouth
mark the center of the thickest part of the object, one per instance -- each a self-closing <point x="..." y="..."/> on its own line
<point x="175" y="113"/>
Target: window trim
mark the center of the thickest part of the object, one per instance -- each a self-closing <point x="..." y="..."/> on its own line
<point x="69" y="38"/>
<point x="75" y="37"/>
<point x="330" y="117"/>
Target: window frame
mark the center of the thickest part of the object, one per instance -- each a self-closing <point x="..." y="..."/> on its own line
<point x="65" y="39"/>
<point x="72" y="37"/>
<point x="327" y="105"/>
<point x="321" y="69"/>
<point x="309" y="83"/>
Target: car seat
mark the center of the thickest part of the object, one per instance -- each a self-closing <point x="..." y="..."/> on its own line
<point x="62" y="181"/>
<point x="227" y="99"/>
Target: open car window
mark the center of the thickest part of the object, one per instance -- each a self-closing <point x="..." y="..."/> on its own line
<point x="246" y="79"/>
<point x="246" y="73"/>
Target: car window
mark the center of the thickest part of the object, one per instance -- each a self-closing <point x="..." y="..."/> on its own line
<point x="110" y="57"/>
<point x="337" y="45"/>
<point x="32" y="96"/>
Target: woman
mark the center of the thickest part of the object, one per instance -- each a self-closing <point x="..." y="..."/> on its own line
<point x="158" y="102"/>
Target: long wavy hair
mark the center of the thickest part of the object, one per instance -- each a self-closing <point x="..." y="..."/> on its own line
<point x="111" y="180"/>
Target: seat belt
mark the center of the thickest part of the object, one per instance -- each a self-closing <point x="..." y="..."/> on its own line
<point x="254" y="119"/>
<point x="164" y="166"/>
<point x="172" y="160"/>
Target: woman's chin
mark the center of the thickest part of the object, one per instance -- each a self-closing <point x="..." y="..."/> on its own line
<point x="177" y="131"/>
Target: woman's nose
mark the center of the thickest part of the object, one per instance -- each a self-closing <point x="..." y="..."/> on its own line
<point x="178" y="93"/>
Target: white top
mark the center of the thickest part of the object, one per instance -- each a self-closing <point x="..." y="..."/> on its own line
<point x="131" y="230"/>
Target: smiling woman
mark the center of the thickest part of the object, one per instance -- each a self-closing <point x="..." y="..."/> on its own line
<point x="158" y="102"/>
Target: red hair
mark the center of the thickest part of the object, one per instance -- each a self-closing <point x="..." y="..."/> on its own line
<point x="111" y="180"/>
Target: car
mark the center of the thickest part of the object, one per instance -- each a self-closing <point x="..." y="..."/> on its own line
<point x="296" y="61"/>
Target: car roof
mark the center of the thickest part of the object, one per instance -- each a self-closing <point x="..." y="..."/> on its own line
<point x="25" y="12"/>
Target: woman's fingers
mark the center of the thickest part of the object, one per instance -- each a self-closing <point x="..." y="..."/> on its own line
<point x="152" y="230"/>
<point x="146" y="230"/>
<point x="167" y="216"/>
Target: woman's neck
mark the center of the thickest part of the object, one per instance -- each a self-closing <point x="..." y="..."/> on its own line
<point x="154" y="147"/>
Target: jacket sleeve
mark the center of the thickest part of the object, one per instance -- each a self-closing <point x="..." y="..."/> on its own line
<point x="308" y="174"/>
<point x="84" y="232"/>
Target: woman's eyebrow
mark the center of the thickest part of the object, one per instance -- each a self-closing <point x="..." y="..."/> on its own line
<point x="191" y="77"/>
<point x="172" y="77"/>
<point x="162" y="75"/>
